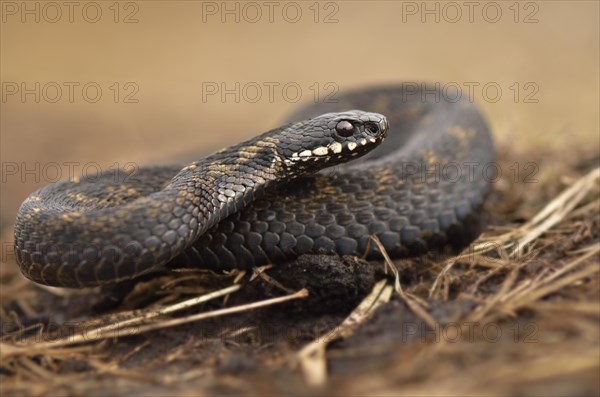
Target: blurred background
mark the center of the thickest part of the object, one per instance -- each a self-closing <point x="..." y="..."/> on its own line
<point x="95" y="85"/>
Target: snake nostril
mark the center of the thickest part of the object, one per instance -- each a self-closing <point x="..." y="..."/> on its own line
<point x="372" y="128"/>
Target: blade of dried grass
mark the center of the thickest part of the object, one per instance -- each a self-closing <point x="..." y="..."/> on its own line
<point x="303" y="293"/>
<point x="260" y="272"/>
<point x="311" y="358"/>
<point x="413" y="303"/>
<point x="120" y="326"/>
<point x="529" y="291"/>
<point x="560" y="208"/>
<point x="554" y="212"/>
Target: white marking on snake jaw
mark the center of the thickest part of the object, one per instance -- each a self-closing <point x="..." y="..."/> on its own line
<point x="363" y="141"/>
<point x="373" y="140"/>
<point x="305" y="153"/>
<point x="320" y="151"/>
<point x="351" y="145"/>
<point x="336" y="147"/>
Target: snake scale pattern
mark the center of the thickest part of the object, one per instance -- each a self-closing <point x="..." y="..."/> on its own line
<point x="284" y="193"/>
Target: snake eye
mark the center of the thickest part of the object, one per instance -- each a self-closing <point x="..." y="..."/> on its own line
<point x="372" y="128"/>
<point x="344" y="128"/>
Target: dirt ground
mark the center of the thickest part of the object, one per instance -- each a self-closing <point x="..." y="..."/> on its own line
<point x="517" y="313"/>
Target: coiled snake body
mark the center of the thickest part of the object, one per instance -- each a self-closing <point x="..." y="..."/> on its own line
<point x="265" y="200"/>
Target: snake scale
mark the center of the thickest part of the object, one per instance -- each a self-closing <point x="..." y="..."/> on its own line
<point x="269" y="199"/>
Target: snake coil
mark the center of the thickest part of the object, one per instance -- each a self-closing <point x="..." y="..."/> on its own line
<point x="268" y="200"/>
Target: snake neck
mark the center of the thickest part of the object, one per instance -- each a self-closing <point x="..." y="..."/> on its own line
<point x="227" y="181"/>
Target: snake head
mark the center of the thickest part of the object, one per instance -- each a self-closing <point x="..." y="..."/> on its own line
<point x="330" y="139"/>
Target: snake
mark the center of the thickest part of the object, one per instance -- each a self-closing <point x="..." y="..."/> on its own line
<point x="412" y="168"/>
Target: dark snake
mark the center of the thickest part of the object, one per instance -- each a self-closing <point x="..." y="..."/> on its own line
<point x="268" y="200"/>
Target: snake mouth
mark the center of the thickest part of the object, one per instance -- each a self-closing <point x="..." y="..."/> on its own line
<point x="337" y="150"/>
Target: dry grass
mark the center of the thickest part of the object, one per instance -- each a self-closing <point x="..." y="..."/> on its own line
<point x="533" y="277"/>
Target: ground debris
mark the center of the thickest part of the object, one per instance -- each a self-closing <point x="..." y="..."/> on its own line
<point x="516" y="313"/>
